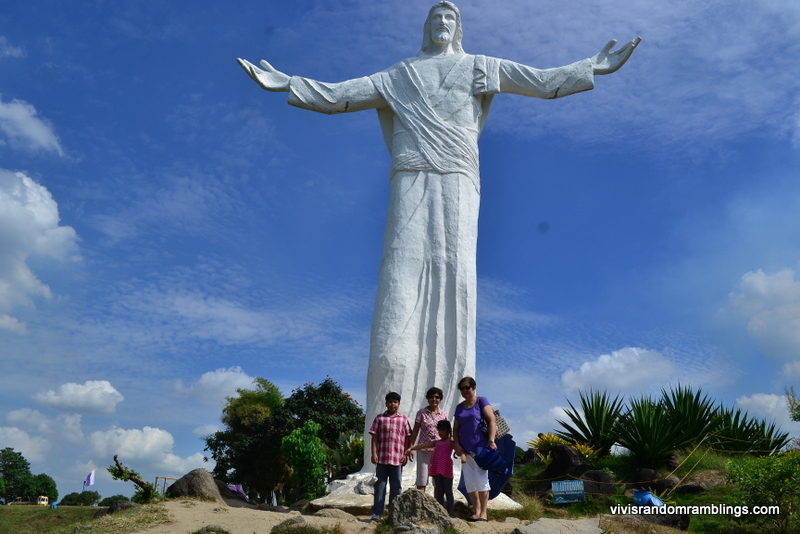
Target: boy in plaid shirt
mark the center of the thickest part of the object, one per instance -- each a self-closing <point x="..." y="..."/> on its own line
<point x="391" y="436"/>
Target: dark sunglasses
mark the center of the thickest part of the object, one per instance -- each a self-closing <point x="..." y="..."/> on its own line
<point x="464" y="388"/>
<point x="435" y="397"/>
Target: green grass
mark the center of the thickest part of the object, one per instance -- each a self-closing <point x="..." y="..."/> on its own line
<point x="531" y="509"/>
<point x="42" y="520"/>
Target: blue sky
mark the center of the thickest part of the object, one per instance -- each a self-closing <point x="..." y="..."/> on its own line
<point x="169" y="231"/>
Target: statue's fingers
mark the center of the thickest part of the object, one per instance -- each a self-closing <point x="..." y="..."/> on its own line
<point x="609" y="45"/>
<point x="267" y="66"/>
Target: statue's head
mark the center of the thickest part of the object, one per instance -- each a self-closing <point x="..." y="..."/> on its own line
<point x="429" y="33"/>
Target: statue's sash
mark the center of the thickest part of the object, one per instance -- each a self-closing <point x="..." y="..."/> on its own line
<point x="446" y="146"/>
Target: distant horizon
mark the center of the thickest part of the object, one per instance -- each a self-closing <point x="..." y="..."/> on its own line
<point x="169" y="231"/>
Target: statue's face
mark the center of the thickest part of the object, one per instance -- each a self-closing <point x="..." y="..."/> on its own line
<point x="443" y="25"/>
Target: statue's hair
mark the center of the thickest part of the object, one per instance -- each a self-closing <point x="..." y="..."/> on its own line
<point x="426" y="31"/>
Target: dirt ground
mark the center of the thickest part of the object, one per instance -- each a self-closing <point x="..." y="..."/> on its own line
<point x="191" y="515"/>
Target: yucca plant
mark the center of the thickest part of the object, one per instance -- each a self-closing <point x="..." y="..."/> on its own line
<point x="694" y="413"/>
<point x="649" y="432"/>
<point x="736" y="431"/>
<point x="595" y="424"/>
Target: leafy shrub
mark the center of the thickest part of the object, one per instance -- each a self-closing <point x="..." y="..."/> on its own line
<point x="770" y="480"/>
<point x="649" y="432"/>
<point x="736" y="431"/>
<point x="304" y="454"/>
<point x="347" y="457"/>
<point x="114" y="498"/>
<point x="695" y="414"/>
<point x="545" y="442"/>
<point x="84" y="498"/>
<point x="587" y="451"/>
<point x="595" y="425"/>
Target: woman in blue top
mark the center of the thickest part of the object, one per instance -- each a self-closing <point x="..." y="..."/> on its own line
<point x="467" y="437"/>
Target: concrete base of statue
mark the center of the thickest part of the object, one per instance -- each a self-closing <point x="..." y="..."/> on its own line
<point x="354" y="494"/>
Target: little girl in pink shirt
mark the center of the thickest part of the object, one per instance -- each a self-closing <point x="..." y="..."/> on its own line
<point x="441" y="468"/>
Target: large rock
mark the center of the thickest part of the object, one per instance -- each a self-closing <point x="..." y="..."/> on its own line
<point x="414" y="507"/>
<point x="116" y="506"/>
<point x="547" y="525"/>
<point x="566" y="463"/>
<point x="351" y="494"/>
<point x="650" y="479"/>
<point x="597" y="483"/>
<point x="197" y="483"/>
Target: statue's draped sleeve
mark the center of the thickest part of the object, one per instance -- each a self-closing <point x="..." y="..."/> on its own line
<point x="351" y="95"/>
<point x="520" y="79"/>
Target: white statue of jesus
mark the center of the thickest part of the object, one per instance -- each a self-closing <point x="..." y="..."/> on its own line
<point x="432" y="108"/>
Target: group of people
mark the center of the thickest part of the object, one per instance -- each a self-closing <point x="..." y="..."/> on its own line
<point x="437" y="444"/>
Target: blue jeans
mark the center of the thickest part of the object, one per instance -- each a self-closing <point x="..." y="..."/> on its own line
<point x="384" y="472"/>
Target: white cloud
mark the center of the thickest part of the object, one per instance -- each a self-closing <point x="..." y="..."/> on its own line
<point x="23" y="128"/>
<point x="94" y="396"/>
<point x="772" y="302"/>
<point x="29" y="226"/>
<point x="34" y="449"/>
<point x="12" y="325"/>
<point x="770" y="407"/>
<point x="64" y="426"/>
<point x="213" y="387"/>
<point x="6" y="50"/>
<point x="791" y="369"/>
<point x="628" y="370"/>
<point x="149" y="449"/>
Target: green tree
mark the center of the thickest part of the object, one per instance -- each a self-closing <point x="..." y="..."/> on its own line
<point x="304" y="453"/>
<point x="16" y="473"/>
<point x="108" y="501"/>
<point x="144" y="493"/>
<point x="44" y="485"/>
<point x="84" y="498"/>
<point x="248" y="450"/>
<point x="793" y="403"/>
<point x="329" y="406"/>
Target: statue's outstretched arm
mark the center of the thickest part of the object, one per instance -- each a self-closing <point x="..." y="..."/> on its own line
<point x="606" y="61"/>
<point x="269" y="78"/>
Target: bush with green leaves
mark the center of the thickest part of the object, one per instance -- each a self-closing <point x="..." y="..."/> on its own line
<point x="735" y="431"/>
<point x="595" y="424"/>
<point x="649" y="432"/>
<point x="108" y="501"/>
<point x="84" y="498"/>
<point x="347" y="457"/>
<point x="304" y="453"/>
<point x="770" y="480"/>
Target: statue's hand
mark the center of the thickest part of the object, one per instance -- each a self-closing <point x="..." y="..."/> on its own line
<point x="606" y="61"/>
<point x="269" y="78"/>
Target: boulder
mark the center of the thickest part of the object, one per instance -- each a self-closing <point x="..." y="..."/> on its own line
<point x="197" y="483"/>
<point x="650" y="479"/>
<point x="566" y="462"/>
<point x="115" y="507"/>
<point x="597" y="483"/>
<point x="336" y="514"/>
<point x="418" y="509"/>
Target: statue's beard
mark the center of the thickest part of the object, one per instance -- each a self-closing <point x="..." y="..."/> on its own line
<point x="442" y="36"/>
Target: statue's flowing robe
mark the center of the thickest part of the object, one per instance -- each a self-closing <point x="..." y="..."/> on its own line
<point x="432" y="111"/>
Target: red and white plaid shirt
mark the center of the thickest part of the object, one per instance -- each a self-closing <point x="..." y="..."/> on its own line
<point x="391" y="432"/>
